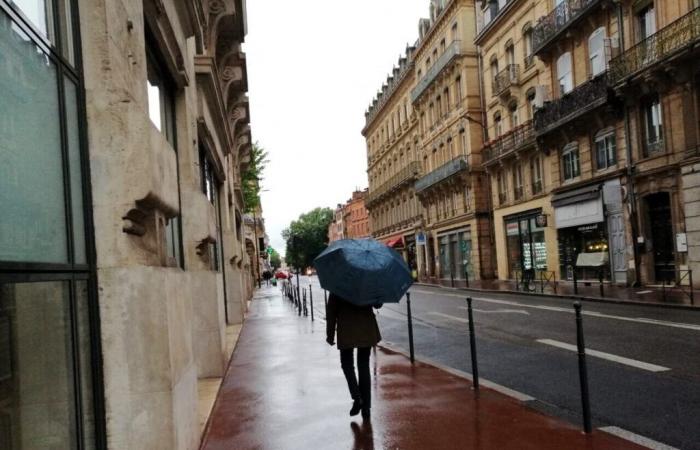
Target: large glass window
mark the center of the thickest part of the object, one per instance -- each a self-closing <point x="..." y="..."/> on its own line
<point x="564" y="73"/>
<point x="605" y="151"/>
<point x="653" y="124"/>
<point x="596" y="52"/>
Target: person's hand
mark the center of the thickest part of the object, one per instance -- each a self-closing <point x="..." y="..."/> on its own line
<point x="330" y="341"/>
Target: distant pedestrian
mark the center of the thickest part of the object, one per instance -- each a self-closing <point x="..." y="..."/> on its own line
<point x="356" y="328"/>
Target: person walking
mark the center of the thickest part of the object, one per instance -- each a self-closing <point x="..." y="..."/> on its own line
<point x="356" y="328"/>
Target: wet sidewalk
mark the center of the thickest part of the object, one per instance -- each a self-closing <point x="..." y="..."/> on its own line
<point x="284" y="390"/>
<point x="672" y="296"/>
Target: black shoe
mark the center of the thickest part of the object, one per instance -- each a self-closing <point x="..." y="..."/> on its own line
<point x="365" y="413"/>
<point x="356" y="407"/>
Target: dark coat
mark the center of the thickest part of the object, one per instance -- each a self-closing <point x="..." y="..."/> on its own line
<point x="356" y="325"/>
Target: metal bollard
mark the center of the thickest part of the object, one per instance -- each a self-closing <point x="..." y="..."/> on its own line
<point x="517" y="285"/>
<point x="575" y="281"/>
<point x="582" y="370"/>
<point x="541" y="282"/>
<point x="472" y="345"/>
<point x="452" y="279"/>
<point x="600" y="278"/>
<point x="663" y="289"/>
<point x="410" y="326"/>
<point x="692" y="294"/>
<point x="298" y="302"/>
<point x="466" y="277"/>
<point x="306" y="311"/>
<point x="311" y="301"/>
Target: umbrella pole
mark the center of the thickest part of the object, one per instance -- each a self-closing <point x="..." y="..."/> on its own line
<point x="410" y="326"/>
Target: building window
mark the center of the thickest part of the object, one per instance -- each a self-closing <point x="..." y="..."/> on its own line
<point x="530" y="95"/>
<point x="438" y="103"/>
<point x="442" y="46"/>
<point x="596" y="52"/>
<point x="455" y="35"/>
<point x="458" y="90"/>
<point x="446" y="96"/>
<point x="494" y="73"/>
<point x="564" y="75"/>
<point x="207" y="177"/>
<point x="161" y="96"/>
<point x="646" y="22"/>
<point x="502" y="188"/>
<point x="463" y="141"/>
<point x="605" y="151"/>
<point x="570" y="162"/>
<point x="527" y="45"/>
<point x="536" y="174"/>
<point x="514" y="116"/>
<point x="497" y="125"/>
<point x="517" y="182"/>
<point x="653" y="125"/>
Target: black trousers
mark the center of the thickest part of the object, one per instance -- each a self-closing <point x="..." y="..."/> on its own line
<point x="363" y="388"/>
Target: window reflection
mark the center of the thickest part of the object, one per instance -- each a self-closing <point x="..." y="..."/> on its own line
<point x="39" y="13"/>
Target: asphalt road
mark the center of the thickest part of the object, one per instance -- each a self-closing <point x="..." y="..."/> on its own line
<point x="643" y="362"/>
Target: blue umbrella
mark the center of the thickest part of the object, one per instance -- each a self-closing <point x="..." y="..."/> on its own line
<point x="363" y="272"/>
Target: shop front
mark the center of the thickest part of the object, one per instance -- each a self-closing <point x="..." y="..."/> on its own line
<point x="581" y="228"/>
<point x="455" y="253"/>
<point x="525" y="242"/>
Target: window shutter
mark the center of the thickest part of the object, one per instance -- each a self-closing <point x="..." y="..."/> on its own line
<point x="564" y="73"/>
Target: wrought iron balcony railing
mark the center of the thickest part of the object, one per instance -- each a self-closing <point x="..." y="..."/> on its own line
<point x="443" y="172"/>
<point x="515" y="139"/>
<point x="450" y="53"/>
<point x="558" y="20"/>
<point x="506" y="78"/>
<point x="666" y="42"/>
<point x="403" y="176"/>
<point x="586" y="97"/>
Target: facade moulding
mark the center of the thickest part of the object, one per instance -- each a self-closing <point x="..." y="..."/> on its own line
<point x="208" y="81"/>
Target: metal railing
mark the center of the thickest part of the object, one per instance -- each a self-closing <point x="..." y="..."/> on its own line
<point x="682" y="277"/>
<point x="514" y="139"/>
<point x="571" y="105"/>
<point x="450" y="53"/>
<point x="405" y="175"/>
<point x="506" y="78"/>
<point x="558" y="20"/>
<point x="443" y="172"/>
<point x="529" y="280"/>
<point x="677" y="35"/>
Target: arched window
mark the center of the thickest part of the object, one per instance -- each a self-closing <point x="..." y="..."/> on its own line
<point x="571" y="165"/>
<point x="497" y="125"/>
<point x="596" y="52"/>
<point x="527" y="45"/>
<point x="605" y="149"/>
<point x="564" y="75"/>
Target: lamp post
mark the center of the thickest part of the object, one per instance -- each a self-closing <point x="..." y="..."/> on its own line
<point x="257" y="250"/>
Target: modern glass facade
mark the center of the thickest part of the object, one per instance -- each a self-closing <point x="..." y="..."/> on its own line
<point x="526" y="244"/>
<point x="48" y="310"/>
<point x="455" y="254"/>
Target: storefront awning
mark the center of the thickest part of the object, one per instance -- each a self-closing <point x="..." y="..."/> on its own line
<point x="395" y="241"/>
<point x="576" y="196"/>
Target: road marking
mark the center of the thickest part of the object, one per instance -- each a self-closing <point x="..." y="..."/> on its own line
<point x="606" y="356"/>
<point x="644" y="292"/>
<point x="664" y="323"/>
<point x="636" y="438"/>
<point x="499" y="311"/>
<point x="447" y="316"/>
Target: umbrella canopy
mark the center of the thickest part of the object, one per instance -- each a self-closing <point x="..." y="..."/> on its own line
<point x="281" y="275"/>
<point x="363" y="272"/>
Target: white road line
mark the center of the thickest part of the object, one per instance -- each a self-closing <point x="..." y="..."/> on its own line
<point x="606" y="356"/>
<point x="636" y="438"/>
<point x="499" y="311"/>
<point x="664" y="323"/>
<point x="447" y="316"/>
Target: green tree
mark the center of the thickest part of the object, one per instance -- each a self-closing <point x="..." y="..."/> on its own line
<point x="251" y="178"/>
<point x="275" y="260"/>
<point x="307" y="237"/>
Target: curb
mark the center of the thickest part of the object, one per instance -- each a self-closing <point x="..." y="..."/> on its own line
<point x="565" y="296"/>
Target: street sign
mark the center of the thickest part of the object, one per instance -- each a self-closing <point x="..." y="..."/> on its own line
<point x="269" y="250"/>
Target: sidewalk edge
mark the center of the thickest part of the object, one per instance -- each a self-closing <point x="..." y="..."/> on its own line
<point x="565" y="296"/>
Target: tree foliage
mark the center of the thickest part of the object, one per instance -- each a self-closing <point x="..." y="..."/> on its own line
<point x="252" y="176"/>
<point x="307" y="237"/>
<point x="275" y="260"/>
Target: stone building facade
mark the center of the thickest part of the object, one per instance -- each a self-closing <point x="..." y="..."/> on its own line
<point x="437" y="88"/>
<point x="336" y="229"/>
<point x="125" y="261"/>
<point x="356" y="217"/>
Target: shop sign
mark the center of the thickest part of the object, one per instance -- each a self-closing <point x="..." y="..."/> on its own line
<point x="420" y="238"/>
<point x="541" y="220"/>
<point x="587" y="228"/>
<point x="512" y="229"/>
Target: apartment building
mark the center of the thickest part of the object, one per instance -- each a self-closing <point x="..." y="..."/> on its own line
<point x="355" y="216"/>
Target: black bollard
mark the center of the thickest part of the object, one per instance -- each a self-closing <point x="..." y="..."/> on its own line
<point x="582" y="370"/>
<point x="575" y="281"/>
<point x="600" y="278"/>
<point x="311" y="301"/>
<point x="298" y="285"/>
<point x="306" y="312"/>
<point x="692" y="294"/>
<point x="452" y="279"/>
<point x="472" y="345"/>
<point x="466" y="277"/>
<point x="410" y="326"/>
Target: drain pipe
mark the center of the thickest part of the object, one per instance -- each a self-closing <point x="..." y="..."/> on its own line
<point x="631" y="194"/>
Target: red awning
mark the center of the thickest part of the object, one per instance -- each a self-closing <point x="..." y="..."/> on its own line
<point x="394" y="241"/>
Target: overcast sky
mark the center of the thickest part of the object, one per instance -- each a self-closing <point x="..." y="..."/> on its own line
<point x="313" y="68"/>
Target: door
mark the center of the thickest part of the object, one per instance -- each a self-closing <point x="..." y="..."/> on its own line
<point x="661" y="231"/>
<point x="618" y="249"/>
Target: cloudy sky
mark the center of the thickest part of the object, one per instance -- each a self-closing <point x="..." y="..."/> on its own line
<point x="313" y="68"/>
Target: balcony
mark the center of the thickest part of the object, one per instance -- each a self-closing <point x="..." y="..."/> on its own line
<point x="667" y="42"/>
<point x="585" y="98"/>
<point x="506" y="79"/>
<point x="442" y="173"/>
<point x="494" y="10"/>
<point x="516" y="139"/>
<point x="453" y="51"/>
<point x="405" y="175"/>
<point x="551" y="26"/>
